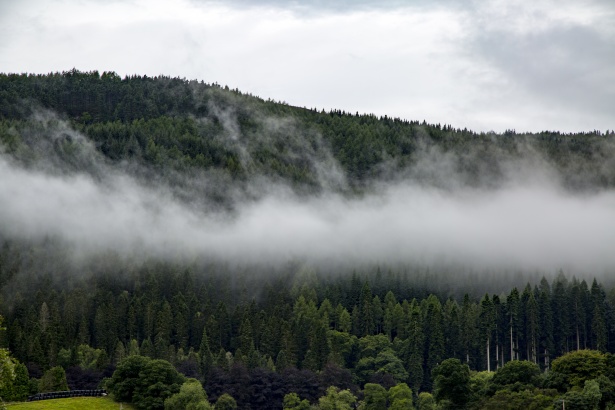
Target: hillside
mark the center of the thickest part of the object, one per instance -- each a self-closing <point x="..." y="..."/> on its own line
<point x="173" y="123"/>
<point x="266" y="249"/>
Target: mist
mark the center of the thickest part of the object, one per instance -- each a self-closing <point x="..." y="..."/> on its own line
<point x="528" y="221"/>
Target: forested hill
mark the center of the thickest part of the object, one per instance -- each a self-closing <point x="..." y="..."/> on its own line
<point x="266" y="249"/>
<point x="172" y="123"/>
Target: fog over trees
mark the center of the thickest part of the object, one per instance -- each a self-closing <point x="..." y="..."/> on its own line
<point x="267" y="250"/>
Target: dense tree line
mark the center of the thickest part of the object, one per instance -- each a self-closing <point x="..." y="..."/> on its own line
<point x="301" y="333"/>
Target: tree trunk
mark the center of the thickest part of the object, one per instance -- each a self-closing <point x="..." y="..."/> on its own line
<point x="512" y="354"/>
<point x="488" y="357"/>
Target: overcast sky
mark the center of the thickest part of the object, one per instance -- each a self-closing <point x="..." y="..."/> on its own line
<point x="485" y="65"/>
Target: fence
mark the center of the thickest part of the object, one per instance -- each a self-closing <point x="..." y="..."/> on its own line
<point x="65" y="394"/>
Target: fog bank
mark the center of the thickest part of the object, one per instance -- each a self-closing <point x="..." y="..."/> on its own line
<point x="528" y="224"/>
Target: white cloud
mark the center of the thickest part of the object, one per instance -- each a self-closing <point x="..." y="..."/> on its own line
<point x="527" y="223"/>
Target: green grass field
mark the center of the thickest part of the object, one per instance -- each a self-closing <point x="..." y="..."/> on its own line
<point x="74" y="403"/>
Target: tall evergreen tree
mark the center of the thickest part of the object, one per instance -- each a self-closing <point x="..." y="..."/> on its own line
<point x="469" y="329"/>
<point x="366" y="312"/>
<point x="512" y="311"/>
<point x="207" y="358"/>
<point x="487" y="327"/>
<point x="434" y="337"/>
<point x="413" y="349"/>
<point x="545" y="324"/>
<point x="561" y="314"/>
<point x="532" y="330"/>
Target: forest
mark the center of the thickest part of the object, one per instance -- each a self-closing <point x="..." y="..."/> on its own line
<point x="96" y="295"/>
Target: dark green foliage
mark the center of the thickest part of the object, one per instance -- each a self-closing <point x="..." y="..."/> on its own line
<point x="546" y="324"/>
<point x="412" y="348"/>
<point x="21" y="384"/>
<point x="144" y="382"/>
<point x="225" y="402"/>
<point x="125" y="379"/>
<point x="578" y="367"/>
<point x="374" y="397"/>
<point x="426" y="401"/>
<point x="17" y="389"/>
<point x="524" y="399"/>
<point x="452" y="382"/>
<point x="516" y="375"/>
<point x="487" y="325"/>
<point x="587" y="399"/>
<point x="300" y="323"/>
<point x="400" y="397"/>
<point x="293" y="402"/>
<point x="54" y="379"/>
<point x="158" y="380"/>
<point x="434" y="336"/>
<point x="337" y="399"/>
<point x="191" y="396"/>
<point x="207" y="359"/>
<point x="561" y="323"/>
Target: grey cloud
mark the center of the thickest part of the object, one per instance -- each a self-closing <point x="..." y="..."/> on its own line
<point x="524" y="227"/>
<point x="564" y="66"/>
<point x="561" y="65"/>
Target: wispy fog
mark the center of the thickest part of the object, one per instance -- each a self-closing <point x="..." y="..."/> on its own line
<point x="527" y="222"/>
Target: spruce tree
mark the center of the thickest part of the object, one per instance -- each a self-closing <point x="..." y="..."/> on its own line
<point x="205" y="354"/>
<point x="487" y="327"/>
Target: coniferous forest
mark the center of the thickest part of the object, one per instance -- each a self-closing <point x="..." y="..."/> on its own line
<point x="165" y="317"/>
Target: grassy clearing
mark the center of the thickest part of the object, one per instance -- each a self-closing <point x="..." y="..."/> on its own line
<point x="73" y="403"/>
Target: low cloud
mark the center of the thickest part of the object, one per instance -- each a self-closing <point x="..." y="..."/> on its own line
<point x="526" y="222"/>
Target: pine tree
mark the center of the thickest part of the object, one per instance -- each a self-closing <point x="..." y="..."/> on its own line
<point x="500" y="330"/>
<point x="281" y="361"/>
<point x="545" y="324"/>
<point x="147" y="348"/>
<point x="205" y="354"/>
<point x="487" y="327"/>
<point x="367" y="321"/>
<point x="378" y="315"/>
<point x="224" y="326"/>
<point x="327" y="313"/>
<point x="434" y="337"/>
<point x="452" y="330"/>
<point x="578" y="317"/>
<point x="599" y="330"/>
<point x="512" y="311"/>
<point x="344" y="319"/>
<point x="180" y="325"/>
<point x="561" y="314"/>
<point x="133" y="348"/>
<point x="163" y="326"/>
<point x="120" y="352"/>
<point x="388" y="323"/>
<point x="469" y="328"/>
<point x="413" y="349"/>
<point x="246" y="339"/>
<point x="319" y="346"/>
<point x="532" y="328"/>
